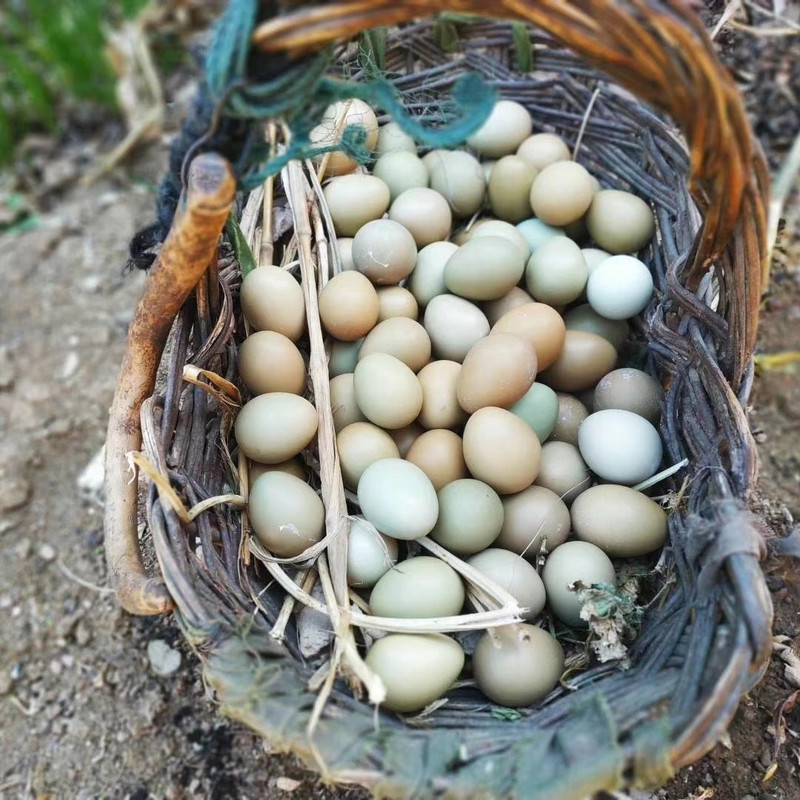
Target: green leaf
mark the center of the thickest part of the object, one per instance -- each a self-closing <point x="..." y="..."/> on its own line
<point x="373" y="51"/>
<point x="523" y="49"/>
<point x="506" y="714"/>
<point x="242" y="251"/>
<point x="446" y="35"/>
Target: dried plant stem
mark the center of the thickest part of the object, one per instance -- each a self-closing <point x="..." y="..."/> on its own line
<point x="305" y="579"/>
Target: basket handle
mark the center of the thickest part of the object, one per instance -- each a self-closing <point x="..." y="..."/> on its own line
<point x="659" y="50"/>
<point x="187" y="252"/>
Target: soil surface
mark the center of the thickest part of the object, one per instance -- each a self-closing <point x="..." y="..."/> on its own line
<point x="90" y="707"/>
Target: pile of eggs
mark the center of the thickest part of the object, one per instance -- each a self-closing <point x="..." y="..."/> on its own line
<point x="474" y="342"/>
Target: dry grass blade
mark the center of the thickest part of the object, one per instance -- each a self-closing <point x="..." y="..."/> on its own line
<point x="222" y="390"/>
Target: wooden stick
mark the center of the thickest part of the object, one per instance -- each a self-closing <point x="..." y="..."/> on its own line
<point x="187" y="252"/>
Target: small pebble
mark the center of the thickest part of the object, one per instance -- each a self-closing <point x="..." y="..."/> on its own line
<point x="164" y="660"/>
<point x="287" y="784"/>
<point x="14" y="492"/>
<point x="46" y="552"/>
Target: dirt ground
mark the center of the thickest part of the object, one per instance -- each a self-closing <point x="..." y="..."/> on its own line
<point x="83" y="714"/>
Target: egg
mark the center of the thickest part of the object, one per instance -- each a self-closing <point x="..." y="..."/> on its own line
<point x="470" y="516"/>
<point x="543" y="149"/>
<point x="433" y="659"/>
<point x="620" y="287"/>
<point x="487" y="167"/>
<point x="424" y="213"/>
<point x="427" y="279"/>
<point x="354" y="200"/>
<point x="458" y="177"/>
<point x="594" y="256"/>
<point x="563" y="471"/>
<point x="516" y="665"/>
<point x="405" y="437"/>
<point x="370" y="555"/>
<point x="395" y="301"/>
<point x="398" y="498"/>
<point x="343" y="402"/>
<point x="532" y="519"/>
<point x="403" y="338"/>
<point x="418" y="588"/>
<point x="484" y="268"/>
<point x="329" y="132"/>
<point x="384" y="251"/>
<point x="620" y="222"/>
<point x="561" y="193"/>
<point x="619" y="520"/>
<point x="360" y="445"/>
<point x="343" y="357"/>
<point x="401" y="170"/>
<point x="514" y="574"/>
<point x="440" y="455"/>
<point x="272" y="300"/>
<point x="286" y="514"/>
<point x="571" y="414"/>
<point x="348" y="306"/>
<point x="510" y="188"/>
<point x="392" y="139"/>
<point x="538" y="407"/>
<point x="269" y="362"/>
<point x="275" y="427"/>
<point x="495" y="309"/>
<point x="387" y="391"/>
<point x="567" y="564"/>
<point x="630" y="390"/>
<point x="497" y="227"/>
<point x="344" y="245"/>
<point x="620" y="446"/>
<point x="584" y="359"/>
<point x="454" y="325"/>
<point x="501" y="450"/>
<point x="440" y="408"/>
<point x="497" y="371"/>
<point x="556" y="273"/>
<point x="541" y="325"/>
<point x="585" y="318"/>
<point x="294" y="466"/>
<point x="507" y="126"/>
<point x="536" y="233"/>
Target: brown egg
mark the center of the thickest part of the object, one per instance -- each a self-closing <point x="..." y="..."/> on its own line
<point x="272" y="300"/>
<point x="348" y="306"/>
<point x="440" y="455"/>
<point x="424" y="213"/>
<point x="561" y="193"/>
<point x="403" y="338"/>
<point x="440" y="408"/>
<point x="329" y="132"/>
<point x="501" y="450"/>
<point x="586" y="357"/>
<point x="563" y="471"/>
<point x="387" y="391"/>
<point x="294" y="466"/>
<point x="343" y="402"/>
<point x="275" y="427"/>
<point x="540" y="324"/>
<point x="405" y="437"/>
<point x="630" y="390"/>
<point x="497" y="371"/>
<point x="495" y="309"/>
<point x="571" y="413"/>
<point x="359" y="445"/>
<point x="395" y="301"/>
<point x="510" y="188"/>
<point x="534" y="518"/>
<point x="384" y="251"/>
<point x="354" y="200"/>
<point x="269" y="362"/>
<point x="543" y="149"/>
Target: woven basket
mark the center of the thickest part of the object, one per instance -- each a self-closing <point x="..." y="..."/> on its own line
<point x="705" y="642"/>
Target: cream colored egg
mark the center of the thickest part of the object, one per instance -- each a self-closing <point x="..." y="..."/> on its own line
<point x="543" y="149"/>
<point x="403" y="338"/>
<point x="343" y="402"/>
<point x="484" y="268"/>
<point x="269" y="362"/>
<point x="585" y="318"/>
<point x="348" y="306"/>
<point x="454" y="325"/>
<point x="395" y="301"/>
<point x="354" y="200"/>
<point x="541" y="325"/>
<point x="370" y="555"/>
<point x="286" y="514"/>
<point x="275" y="427"/>
<point x="497" y="227"/>
<point x="424" y="213"/>
<point x="440" y="455"/>
<point x="556" y="273"/>
<point x="387" y="391"/>
<point x="458" y="177"/>
<point x="360" y="445"/>
<point x="384" y="251"/>
<point x="398" y="498"/>
<point x="510" y="188"/>
<point x="534" y="519"/>
<point x="343" y="357"/>
<point x="571" y="414"/>
<point x="345" y="246"/>
<point x="400" y="171"/>
<point x="272" y="300"/>
<point x="392" y="138"/>
<point x="514" y="574"/>
<point x="440" y="408"/>
<point x="501" y="450"/>
<point x="496" y="309"/>
<point x="427" y="279"/>
<point x="470" y="516"/>
<point x="508" y="125"/>
<point x="563" y="471"/>
<point x="294" y="466"/>
<point x="419" y="588"/>
<point x="334" y="121"/>
<point x="620" y="222"/>
<point x="561" y="193"/>
<point x="584" y="359"/>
